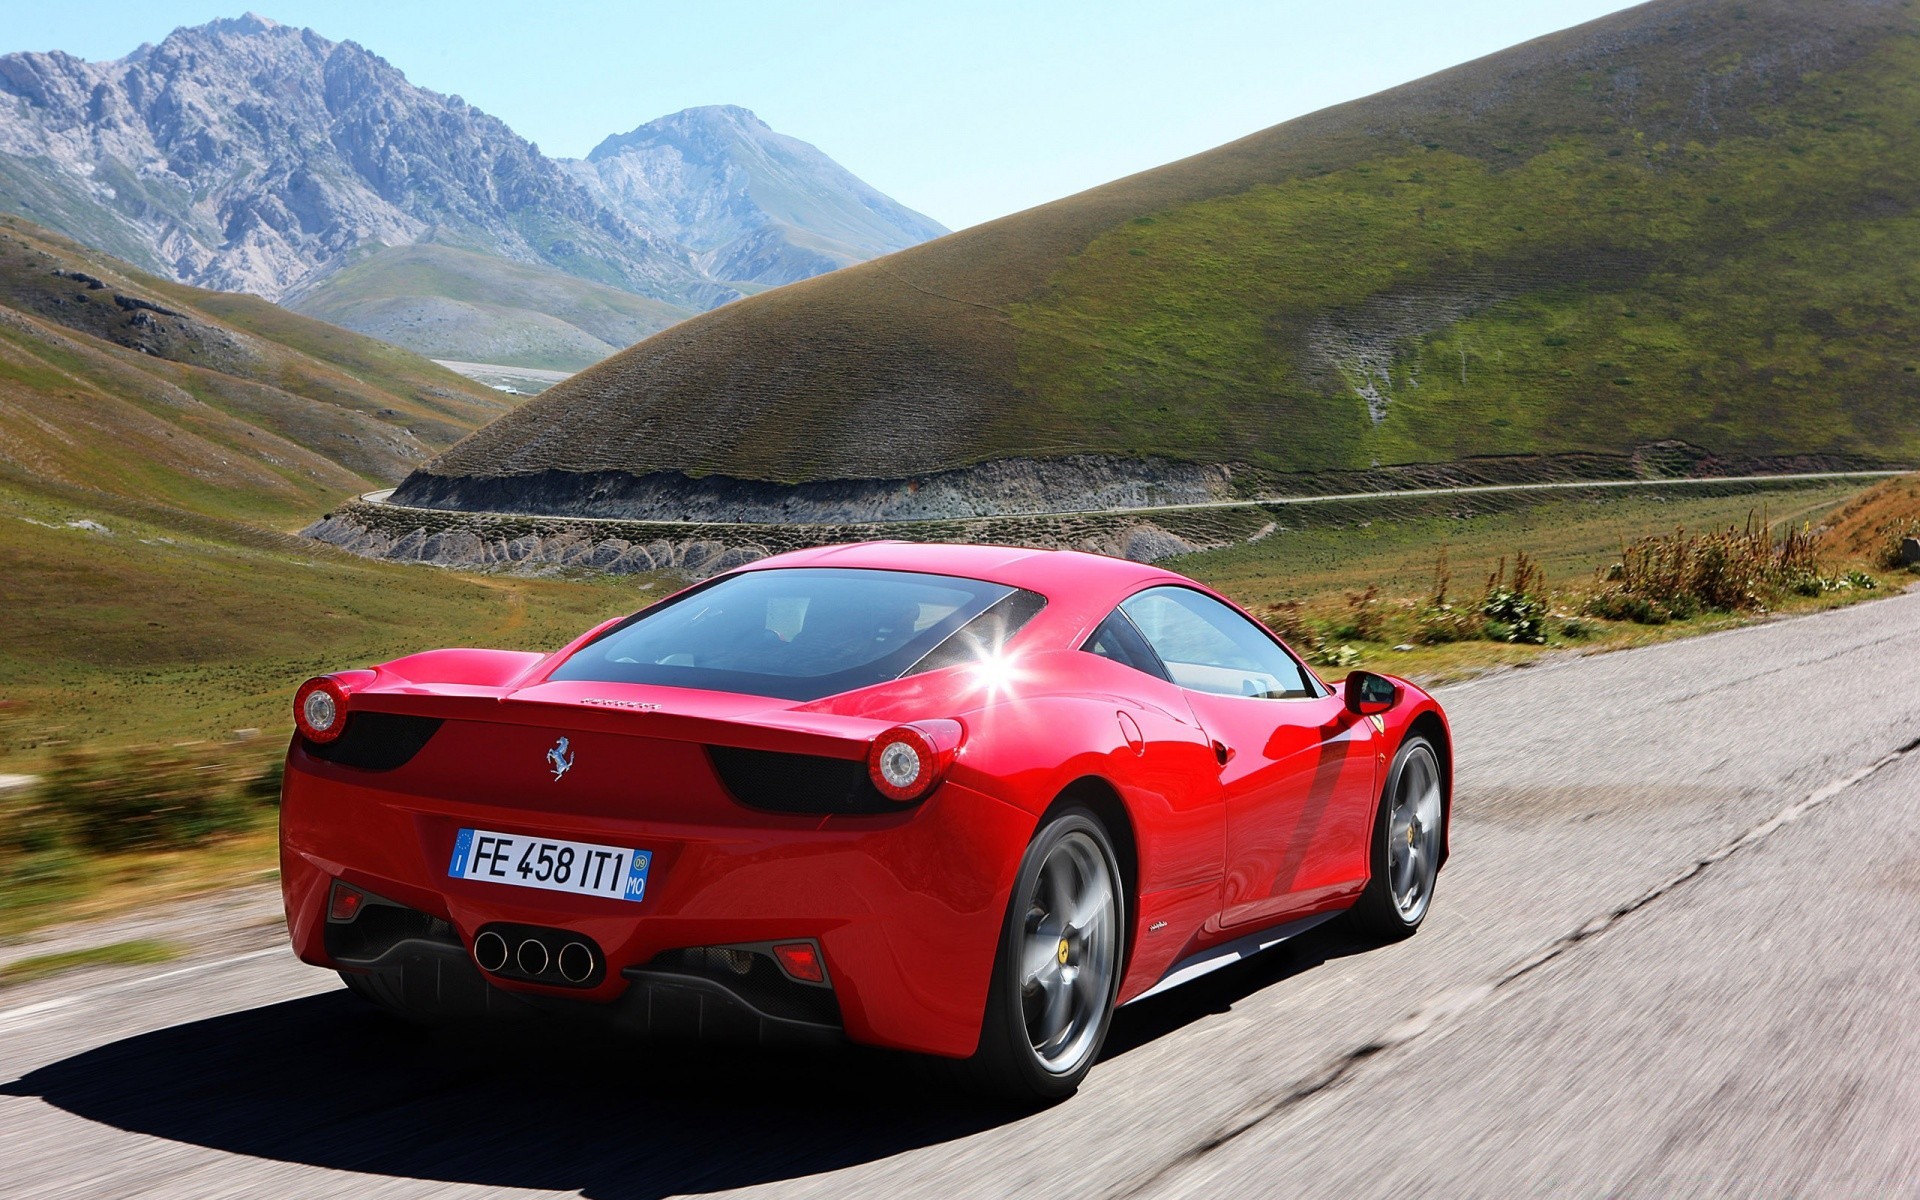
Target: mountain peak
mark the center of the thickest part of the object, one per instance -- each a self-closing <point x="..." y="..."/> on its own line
<point x="754" y="203"/>
<point x="247" y="22"/>
<point x="246" y="25"/>
<point x="730" y="112"/>
<point x="706" y="120"/>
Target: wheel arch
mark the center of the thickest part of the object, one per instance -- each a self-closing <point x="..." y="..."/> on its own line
<point x="1431" y="726"/>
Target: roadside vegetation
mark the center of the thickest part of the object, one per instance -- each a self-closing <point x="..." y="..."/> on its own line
<point x="96" y="810"/>
<point x="141" y="952"/>
<point x="1442" y="598"/>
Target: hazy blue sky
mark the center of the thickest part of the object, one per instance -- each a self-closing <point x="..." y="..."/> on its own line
<point x="965" y="111"/>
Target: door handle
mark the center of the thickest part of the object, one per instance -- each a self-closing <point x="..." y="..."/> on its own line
<point x="1222" y="752"/>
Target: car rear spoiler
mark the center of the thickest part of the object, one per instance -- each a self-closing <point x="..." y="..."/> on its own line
<point x="672" y="714"/>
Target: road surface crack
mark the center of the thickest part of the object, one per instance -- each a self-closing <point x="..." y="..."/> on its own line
<point x="1461" y="1001"/>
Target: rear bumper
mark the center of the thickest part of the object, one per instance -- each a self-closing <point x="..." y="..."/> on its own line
<point x="906" y="908"/>
<point x="439" y="977"/>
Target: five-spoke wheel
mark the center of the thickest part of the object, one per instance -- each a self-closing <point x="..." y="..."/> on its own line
<point x="1407" y="845"/>
<point x="1058" y="970"/>
<point x="1068" y="958"/>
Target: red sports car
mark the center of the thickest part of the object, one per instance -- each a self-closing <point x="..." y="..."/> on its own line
<point x="959" y="800"/>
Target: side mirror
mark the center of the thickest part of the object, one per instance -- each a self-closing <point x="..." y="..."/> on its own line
<point x="1368" y="694"/>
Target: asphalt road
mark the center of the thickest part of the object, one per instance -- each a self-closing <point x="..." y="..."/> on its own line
<point x="1677" y="952"/>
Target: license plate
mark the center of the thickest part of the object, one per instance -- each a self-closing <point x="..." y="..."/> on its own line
<point x="581" y="868"/>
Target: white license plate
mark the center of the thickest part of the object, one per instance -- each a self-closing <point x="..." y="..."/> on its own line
<point x="581" y="868"/>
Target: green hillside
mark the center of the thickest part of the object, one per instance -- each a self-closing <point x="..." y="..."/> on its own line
<point x="459" y="304"/>
<point x="158" y="443"/>
<point x="1691" y="220"/>
<point x="219" y="404"/>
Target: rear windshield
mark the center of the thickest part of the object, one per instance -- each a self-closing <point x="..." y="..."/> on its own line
<point x="798" y="634"/>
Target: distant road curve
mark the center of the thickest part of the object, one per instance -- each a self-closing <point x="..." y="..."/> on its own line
<point x="381" y="497"/>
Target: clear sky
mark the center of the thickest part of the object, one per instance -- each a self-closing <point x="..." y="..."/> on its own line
<point x="965" y="111"/>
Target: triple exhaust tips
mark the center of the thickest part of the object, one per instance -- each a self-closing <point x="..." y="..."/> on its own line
<point x="539" y="955"/>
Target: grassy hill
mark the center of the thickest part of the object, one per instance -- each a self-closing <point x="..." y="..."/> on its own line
<point x="157" y="443"/>
<point x="459" y="304"/>
<point x="1691" y="220"/>
<point x="218" y="403"/>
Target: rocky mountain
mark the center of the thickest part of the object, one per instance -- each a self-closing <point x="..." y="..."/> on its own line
<point x="250" y="156"/>
<point x="755" y="206"/>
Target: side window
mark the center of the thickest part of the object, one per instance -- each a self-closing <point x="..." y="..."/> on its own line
<point x="1118" y="640"/>
<point x="986" y="635"/>
<point x="1209" y="647"/>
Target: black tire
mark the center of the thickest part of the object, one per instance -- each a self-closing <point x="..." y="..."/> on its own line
<point x="1386" y="912"/>
<point x="1008" y="1066"/>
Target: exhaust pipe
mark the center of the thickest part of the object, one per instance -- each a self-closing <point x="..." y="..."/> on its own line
<point x="533" y="956"/>
<point x="490" y="951"/>
<point x="576" y="962"/>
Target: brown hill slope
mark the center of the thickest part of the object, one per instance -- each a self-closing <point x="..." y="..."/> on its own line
<point x="214" y="402"/>
<point x="1682" y="221"/>
<point x="1873" y="525"/>
<point x="155" y="442"/>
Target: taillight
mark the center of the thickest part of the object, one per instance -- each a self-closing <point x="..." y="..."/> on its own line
<point x="908" y="761"/>
<point x="320" y="709"/>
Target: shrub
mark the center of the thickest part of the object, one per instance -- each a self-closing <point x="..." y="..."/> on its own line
<point x="160" y="797"/>
<point x="1336" y="656"/>
<point x="1624" y="606"/>
<point x="1678" y="575"/>
<point x="1516" y="610"/>
<point x="1889" y="555"/>
<point x="1439" y="622"/>
<point x="1437" y="625"/>
<point x="1365" y="619"/>
<point x="1289" y="619"/>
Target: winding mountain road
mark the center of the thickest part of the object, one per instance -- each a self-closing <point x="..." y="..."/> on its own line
<point x="384" y="496"/>
<point x="1676" y="952"/>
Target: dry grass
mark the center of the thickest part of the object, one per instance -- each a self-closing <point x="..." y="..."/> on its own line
<point x="1736" y="570"/>
<point x="1872" y="527"/>
<point x="1432" y="630"/>
<point x="141" y="952"/>
<point x="222" y="405"/>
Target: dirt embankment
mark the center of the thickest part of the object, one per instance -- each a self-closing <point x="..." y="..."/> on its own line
<point x="1874" y="525"/>
<point x="1016" y="487"/>
<point x="1005" y="487"/>
<point x="541" y="543"/>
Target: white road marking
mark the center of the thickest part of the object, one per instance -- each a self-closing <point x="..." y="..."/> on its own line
<point x="34" y="1014"/>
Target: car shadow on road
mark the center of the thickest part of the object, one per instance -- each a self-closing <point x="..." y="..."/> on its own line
<point x="326" y="1081"/>
<point x="1211" y="995"/>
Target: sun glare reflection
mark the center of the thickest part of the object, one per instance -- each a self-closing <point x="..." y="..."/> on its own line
<point x="997" y="674"/>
